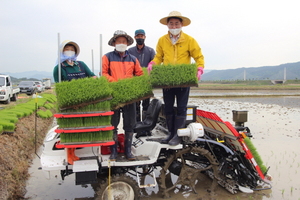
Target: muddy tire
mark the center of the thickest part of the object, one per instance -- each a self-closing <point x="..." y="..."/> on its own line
<point x="191" y="162"/>
<point x="7" y="101"/>
<point x="14" y="97"/>
<point x="122" y="187"/>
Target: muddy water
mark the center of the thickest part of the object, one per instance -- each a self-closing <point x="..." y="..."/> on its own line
<point x="274" y="124"/>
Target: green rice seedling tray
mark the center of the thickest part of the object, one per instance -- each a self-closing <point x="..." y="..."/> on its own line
<point x="82" y="92"/>
<point x="86" y="137"/>
<point x="170" y="76"/>
<point x="83" y="114"/>
<point x="78" y="145"/>
<point x="84" y="104"/>
<point x="84" y="129"/>
<point x="130" y="90"/>
<point x="76" y="122"/>
<point x="91" y="107"/>
<point x="132" y="101"/>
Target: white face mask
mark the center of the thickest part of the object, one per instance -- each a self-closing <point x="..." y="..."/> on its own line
<point x="175" y="31"/>
<point x="69" y="53"/>
<point x="121" y="47"/>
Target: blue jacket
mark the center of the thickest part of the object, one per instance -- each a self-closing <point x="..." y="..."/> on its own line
<point x="145" y="55"/>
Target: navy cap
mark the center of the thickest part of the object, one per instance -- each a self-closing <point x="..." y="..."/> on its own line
<point x="139" y="31"/>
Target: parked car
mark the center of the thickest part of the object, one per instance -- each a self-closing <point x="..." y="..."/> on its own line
<point x="7" y="91"/>
<point x="40" y="86"/>
<point x="28" y="87"/>
<point x="47" y="83"/>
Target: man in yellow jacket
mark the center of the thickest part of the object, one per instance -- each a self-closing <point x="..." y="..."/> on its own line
<point x="176" y="47"/>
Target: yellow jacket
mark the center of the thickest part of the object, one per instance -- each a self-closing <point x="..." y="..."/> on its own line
<point x="181" y="52"/>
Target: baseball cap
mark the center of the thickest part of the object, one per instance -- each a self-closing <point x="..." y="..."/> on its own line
<point x="139" y="31"/>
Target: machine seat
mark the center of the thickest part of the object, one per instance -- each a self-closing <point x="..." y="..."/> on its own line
<point x="143" y="128"/>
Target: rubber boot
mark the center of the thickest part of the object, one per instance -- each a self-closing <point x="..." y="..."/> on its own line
<point x="169" y="121"/>
<point x="70" y="156"/>
<point x="128" y="144"/>
<point x="178" y="123"/>
<point x="113" y="152"/>
<point x="73" y="154"/>
<point x="113" y="148"/>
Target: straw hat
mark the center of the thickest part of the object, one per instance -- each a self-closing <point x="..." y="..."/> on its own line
<point x="64" y="43"/>
<point x="120" y="33"/>
<point x="185" y="21"/>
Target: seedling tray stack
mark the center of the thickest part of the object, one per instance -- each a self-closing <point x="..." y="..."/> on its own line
<point x="85" y="115"/>
<point x="85" y="133"/>
<point x="170" y="76"/>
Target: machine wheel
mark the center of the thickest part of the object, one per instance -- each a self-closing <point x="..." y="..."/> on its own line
<point x="122" y="187"/>
<point x="187" y="164"/>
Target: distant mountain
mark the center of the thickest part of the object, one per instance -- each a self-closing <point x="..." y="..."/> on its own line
<point x="39" y="75"/>
<point x="256" y="73"/>
<point x="31" y="74"/>
<point x="251" y="73"/>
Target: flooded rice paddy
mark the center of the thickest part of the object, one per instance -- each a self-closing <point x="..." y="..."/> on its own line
<point x="274" y="124"/>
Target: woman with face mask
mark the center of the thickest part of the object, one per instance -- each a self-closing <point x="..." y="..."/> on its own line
<point x="116" y="65"/>
<point x="71" y="69"/>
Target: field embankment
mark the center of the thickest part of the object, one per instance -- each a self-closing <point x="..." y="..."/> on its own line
<point x="247" y="85"/>
<point x="17" y="151"/>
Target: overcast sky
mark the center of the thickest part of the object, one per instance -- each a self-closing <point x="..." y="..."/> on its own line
<point x="231" y="33"/>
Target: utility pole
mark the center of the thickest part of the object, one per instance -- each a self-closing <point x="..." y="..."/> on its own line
<point x="93" y="61"/>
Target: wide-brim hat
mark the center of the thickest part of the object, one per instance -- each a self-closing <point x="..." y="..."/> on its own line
<point x="64" y="43"/>
<point x="120" y="33"/>
<point x="185" y="21"/>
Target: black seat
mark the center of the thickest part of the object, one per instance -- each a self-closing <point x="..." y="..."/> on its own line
<point x="143" y="128"/>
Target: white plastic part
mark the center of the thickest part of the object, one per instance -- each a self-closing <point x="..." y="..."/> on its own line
<point x="245" y="190"/>
<point x="85" y="165"/>
<point x="193" y="131"/>
<point x="51" y="134"/>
